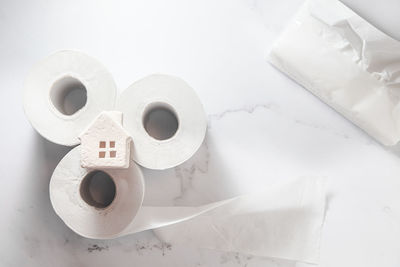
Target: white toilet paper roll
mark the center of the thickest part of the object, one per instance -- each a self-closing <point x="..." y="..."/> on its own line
<point x="104" y="204"/>
<point x="77" y="197"/>
<point x="64" y="93"/>
<point x="282" y="221"/>
<point x="165" y="118"/>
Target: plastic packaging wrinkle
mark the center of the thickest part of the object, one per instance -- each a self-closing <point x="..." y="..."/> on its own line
<point x="347" y="62"/>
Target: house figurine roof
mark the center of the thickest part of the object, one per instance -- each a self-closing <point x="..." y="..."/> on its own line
<point x="105" y="143"/>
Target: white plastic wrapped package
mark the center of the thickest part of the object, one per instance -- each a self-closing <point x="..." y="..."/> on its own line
<point x="347" y="62"/>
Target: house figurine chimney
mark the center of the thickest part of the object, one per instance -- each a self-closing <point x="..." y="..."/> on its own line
<point x="105" y="143"/>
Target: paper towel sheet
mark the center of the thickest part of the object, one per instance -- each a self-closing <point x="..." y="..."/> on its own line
<point x="347" y="62"/>
<point x="284" y="221"/>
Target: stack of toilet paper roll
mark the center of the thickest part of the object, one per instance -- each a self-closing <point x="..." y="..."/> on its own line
<point x="167" y="123"/>
<point x="68" y="90"/>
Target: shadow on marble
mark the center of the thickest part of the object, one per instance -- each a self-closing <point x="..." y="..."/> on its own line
<point x="199" y="180"/>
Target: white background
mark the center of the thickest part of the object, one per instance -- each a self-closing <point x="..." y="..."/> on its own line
<point x="263" y="128"/>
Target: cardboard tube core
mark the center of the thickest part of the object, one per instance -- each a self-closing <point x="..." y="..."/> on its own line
<point x="160" y="121"/>
<point x="98" y="189"/>
<point x="68" y="95"/>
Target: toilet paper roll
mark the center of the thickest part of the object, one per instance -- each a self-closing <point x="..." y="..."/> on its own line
<point x="89" y="212"/>
<point x="76" y="198"/>
<point x="165" y="118"/>
<point x="282" y="221"/>
<point x="64" y="93"/>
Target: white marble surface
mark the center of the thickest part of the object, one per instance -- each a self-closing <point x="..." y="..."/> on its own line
<point x="262" y="128"/>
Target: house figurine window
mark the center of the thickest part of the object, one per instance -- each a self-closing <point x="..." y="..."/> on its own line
<point x="107" y="151"/>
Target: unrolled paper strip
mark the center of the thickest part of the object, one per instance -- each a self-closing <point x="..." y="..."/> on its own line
<point x="282" y="221"/>
<point x="347" y="62"/>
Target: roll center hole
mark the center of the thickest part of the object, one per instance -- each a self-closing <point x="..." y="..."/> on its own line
<point x="160" y="121"/>
<point x="98" y="189"/>
<point x="68" y="95"/>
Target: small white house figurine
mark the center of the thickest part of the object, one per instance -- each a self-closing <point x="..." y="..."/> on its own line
<point x="105" y="143"/>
